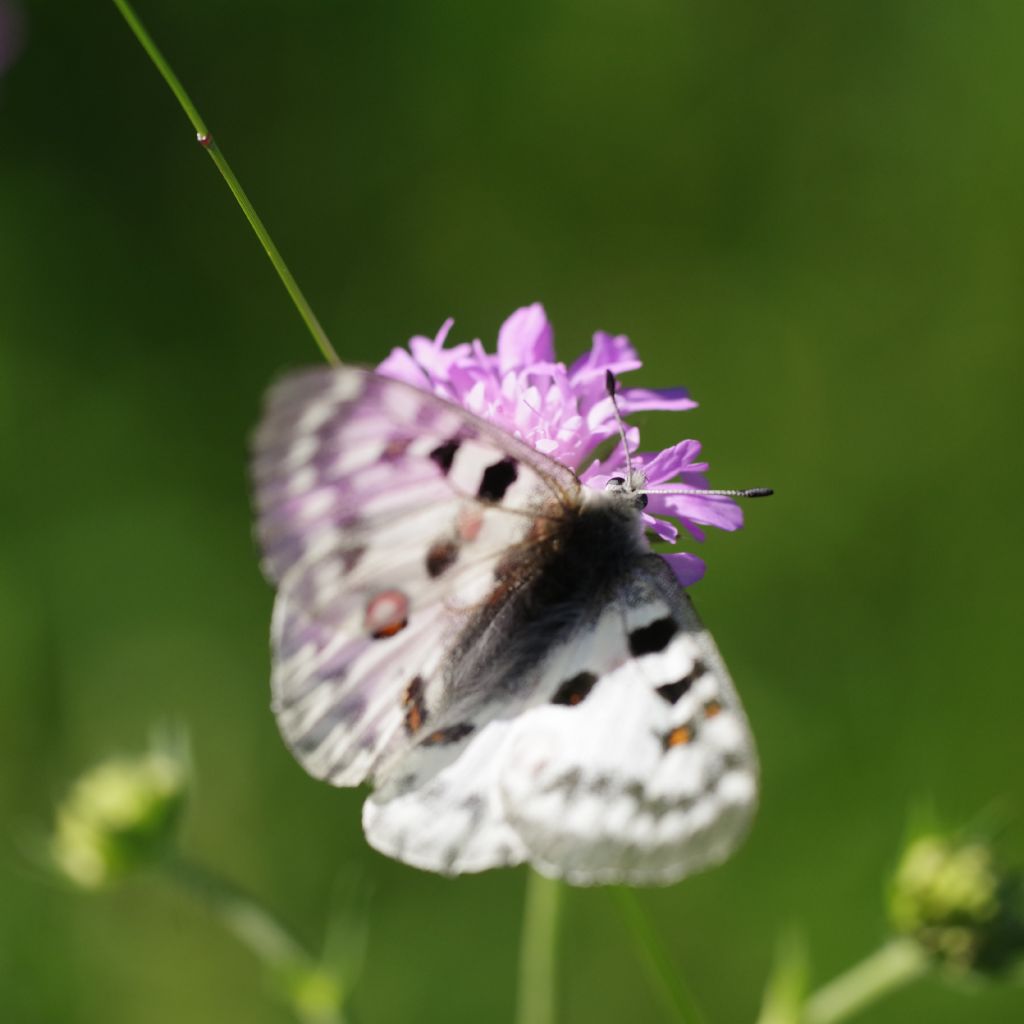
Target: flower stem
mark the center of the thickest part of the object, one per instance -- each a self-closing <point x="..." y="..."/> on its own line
<point x="660" y="969"/>
<point x="256" y="928"/>
<point x="537" y="995"/>
<point x="206" y="140"/>
<point x="253" y="925"/>
<point x="889" y="968"/>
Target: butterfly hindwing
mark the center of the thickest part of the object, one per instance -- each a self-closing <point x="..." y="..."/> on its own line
<point x="652" y="776"/>
<point x="381" y="512"/>
<point x="627" y="757"/>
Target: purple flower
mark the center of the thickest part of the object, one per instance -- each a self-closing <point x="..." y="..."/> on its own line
<point x="566" y="412"/>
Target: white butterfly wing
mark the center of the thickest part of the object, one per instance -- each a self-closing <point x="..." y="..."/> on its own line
<point x="651" y="778"/>
<point x="606" y="747"/>
<point x="381" y="513"/>
<point x="630" y="760"/>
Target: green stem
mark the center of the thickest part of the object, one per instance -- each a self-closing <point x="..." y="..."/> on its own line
<point x="206" y="140"/>
<point x="663" y="974"/>
<point x="537" y="997"/>
<point x="255" y="927"/>
<point x="897" y="963"/>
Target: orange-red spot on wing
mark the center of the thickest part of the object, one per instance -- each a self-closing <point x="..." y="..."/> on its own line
<point x="415" y="707"/>
<point x="386" y="614"/>
<point x="678" y="736"/>
<point x="712" y="708"/>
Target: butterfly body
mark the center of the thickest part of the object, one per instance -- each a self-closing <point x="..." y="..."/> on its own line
<point x="546" y="590"/>
<point x="490" y="643"/>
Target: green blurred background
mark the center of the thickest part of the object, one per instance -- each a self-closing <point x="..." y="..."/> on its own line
<point x="810" y="214"/>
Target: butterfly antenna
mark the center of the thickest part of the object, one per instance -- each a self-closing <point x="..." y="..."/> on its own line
<point x="749" y="492"/>
<point x="611" y="385"/>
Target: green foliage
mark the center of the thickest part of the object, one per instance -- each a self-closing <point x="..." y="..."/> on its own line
<point x="807" y="213"/>
<point x="786" y="990"/>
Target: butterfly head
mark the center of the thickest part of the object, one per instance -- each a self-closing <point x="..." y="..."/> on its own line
<point x="631" y="488"/>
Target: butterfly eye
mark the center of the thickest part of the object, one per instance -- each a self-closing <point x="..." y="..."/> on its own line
<point x="617" y="485"/>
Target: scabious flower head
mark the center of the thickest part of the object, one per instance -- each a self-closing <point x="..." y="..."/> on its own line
<point x="120" y="816"/>
<point x="565" y="412"/>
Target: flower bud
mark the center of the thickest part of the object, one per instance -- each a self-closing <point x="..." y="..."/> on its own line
<point x="316" y="993"/>
<point x="949" y="894"/>
<point x="119" y="816"/>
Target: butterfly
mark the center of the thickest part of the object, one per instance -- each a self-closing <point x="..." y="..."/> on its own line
<point x="489" y="643"/>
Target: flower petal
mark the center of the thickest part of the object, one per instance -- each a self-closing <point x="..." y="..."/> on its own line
<point x="662" y="527"/>
<point x="567" y="414"/>
<point x="713" y="510"/>
<point x="608" y="352"/>
<point x="399" y="365"/>
<point x="525" y="338"/>
<point x="671" y="462"/>
<point x="661" y="399"/>
<point x="688" y="568"/>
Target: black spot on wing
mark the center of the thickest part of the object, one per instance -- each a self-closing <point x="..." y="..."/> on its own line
<point x="444" y="455"/>
<point x="568" y="783"/>
<point x="653" y="638"/>
<point x="497" y="479"/>
<point x="450" y="734"/>
<point x="673" y="691"/>
<point x="441" y="556"/>
<point x="572" y="691"/>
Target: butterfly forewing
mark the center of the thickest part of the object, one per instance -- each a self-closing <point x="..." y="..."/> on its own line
<point x="381" y="512"/>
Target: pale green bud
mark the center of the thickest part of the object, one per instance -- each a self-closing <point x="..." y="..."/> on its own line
<point x="951" y="896"/>
<point x="119" y="816"/>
